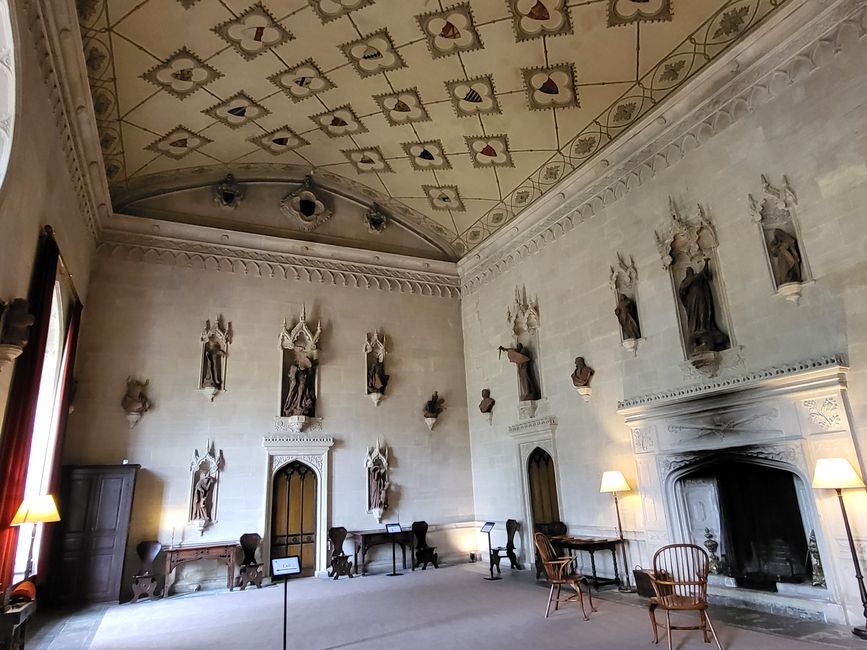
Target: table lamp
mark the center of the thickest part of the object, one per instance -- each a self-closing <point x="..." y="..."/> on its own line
<point x="614" y="482"/>
<point x="39" y="509"/>
<point x="838" y="474"/>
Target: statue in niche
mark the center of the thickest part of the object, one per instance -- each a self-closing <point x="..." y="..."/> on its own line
<point x="202" y="501"/>
<point x="487" y="403"/>
<point x="301" y="396"/>
<point x="301" y="363"/>
<point x="17" y="321"/>
<point x="215" y="347"/>
<point x="520" y="356"/>
<point x="627" y="314"/>
<point x="204" y="483"/>
<point x="582" y="373"/>
<point x="696" y="296"/>
<point x="786" y="257"/>
<point x="377" y="380"/>
<point x="433" y="408"/>
<point x="376" y="463"/>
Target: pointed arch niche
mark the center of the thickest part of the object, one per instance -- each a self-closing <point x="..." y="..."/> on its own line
<point x="532" y="437"/>
<point x="312" y="451"/>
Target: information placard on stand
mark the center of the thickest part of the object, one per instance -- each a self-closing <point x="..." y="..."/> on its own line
<point x="486" y="529"/>
<point x="393" y="530"/>
<point x="283" y="567"/>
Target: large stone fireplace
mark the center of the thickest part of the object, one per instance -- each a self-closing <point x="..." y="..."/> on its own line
<point x="731" y="461"/>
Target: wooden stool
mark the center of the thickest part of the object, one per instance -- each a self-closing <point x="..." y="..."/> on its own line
<point x="145" y="583"/>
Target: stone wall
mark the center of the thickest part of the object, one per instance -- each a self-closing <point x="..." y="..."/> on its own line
<point x="814" y="132"/>
<point x="145" y="319"/>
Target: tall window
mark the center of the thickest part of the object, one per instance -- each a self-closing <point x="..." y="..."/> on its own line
<point x="7" y="86"/>
<point x="45" y="432"/>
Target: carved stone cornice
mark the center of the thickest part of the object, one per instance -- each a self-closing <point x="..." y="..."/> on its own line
<point x="54" y="26"/>
<point x="534" y="425"/>
<point x="183" y="245"/>
<point x="801" y="38"/>
<point x="829" y="368"/>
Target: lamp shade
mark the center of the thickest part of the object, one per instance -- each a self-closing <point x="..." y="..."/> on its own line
<point x="36" y="509"/>
<point x="835" y="473"/>
<point x="614" y="482"/>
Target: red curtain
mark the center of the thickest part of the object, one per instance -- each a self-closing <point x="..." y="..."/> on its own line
<point x="21" y="405"/>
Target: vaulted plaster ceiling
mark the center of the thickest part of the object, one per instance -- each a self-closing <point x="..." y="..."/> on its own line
<point x="454" y="116"/>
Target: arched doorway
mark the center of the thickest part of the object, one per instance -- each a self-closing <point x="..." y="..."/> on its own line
<point x="542" y="481"/>
<point x="293" y="514"/>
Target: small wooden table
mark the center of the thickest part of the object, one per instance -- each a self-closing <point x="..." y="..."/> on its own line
<point x="177" y="555"/>
<point x="591" y="545"/>
<point x="364" y="540"/>
<point x="13" y="625"/>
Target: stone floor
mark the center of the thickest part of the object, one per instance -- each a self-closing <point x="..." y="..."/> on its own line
<point x="447" y="608"/>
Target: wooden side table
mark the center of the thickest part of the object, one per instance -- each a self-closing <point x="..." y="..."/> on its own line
<point x="13" y="625"/>
<point x="177" y="555"/>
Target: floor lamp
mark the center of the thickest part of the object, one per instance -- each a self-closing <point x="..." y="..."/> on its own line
<point x="35" y="510"/>
<point x="614" y="482"/>
<point x="838" y="474"/>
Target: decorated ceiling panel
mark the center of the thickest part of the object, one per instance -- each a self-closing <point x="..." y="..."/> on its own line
<point x="455" y="116"/>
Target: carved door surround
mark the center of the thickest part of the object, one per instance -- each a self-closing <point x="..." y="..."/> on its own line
<point x="529" y="435"/>
<point x="785" y="417"/>
<point x="312" y="450"/>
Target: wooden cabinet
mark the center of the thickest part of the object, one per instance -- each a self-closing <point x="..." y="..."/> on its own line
<point x="95" y="502"/>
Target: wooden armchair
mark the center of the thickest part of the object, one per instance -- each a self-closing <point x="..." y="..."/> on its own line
<point x="551" y="529"/>
<point x="250" y="571"/>
<point x="341" y="565"/>
<point x="424" y="554"/>
<point x="144" y="583"/>
<point x="509" y="549"/>
<point x="561" y="571"/>
<point x="679" y="581"/>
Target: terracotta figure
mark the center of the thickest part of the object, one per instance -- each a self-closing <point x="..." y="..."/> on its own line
<point x="520" y="356"/>
<point x="135" y="401"/>
<point x="627" y="314"/>
<point x="301" y="396"/>
<point x="377" y="380"/>
<point x="487" y="403"/>
<point x="786" y="256"/>
<point x="202" y="497"/>
<point x="582" y="374"/>
<point x="17" y="323"/>
<point x="212" y="373"/>
<point x="696" y="296"/>
<point x="434" y="406"/>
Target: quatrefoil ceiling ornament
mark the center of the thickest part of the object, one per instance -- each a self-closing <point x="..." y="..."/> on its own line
<point x="305" y="207"/>
<point x="624" y="12"/>
<point x="329" y="10"/>
<point x="182" y="74"/>
<point x="538" y="18"/>
<point x="253" y="33"/>
<point x="301" y="81"/>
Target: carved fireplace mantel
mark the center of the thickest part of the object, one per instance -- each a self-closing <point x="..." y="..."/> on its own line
<point x="784" y="417"/>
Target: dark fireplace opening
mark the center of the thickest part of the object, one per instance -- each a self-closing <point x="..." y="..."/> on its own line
<point x="762" y="540"/>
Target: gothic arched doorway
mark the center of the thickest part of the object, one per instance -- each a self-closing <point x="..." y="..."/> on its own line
<point x="293" y="514"/>
<point x="542" y="481"/>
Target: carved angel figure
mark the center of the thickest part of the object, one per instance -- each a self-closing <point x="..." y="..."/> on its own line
<point x="434" y="406"/>
<point x="135" y="400"/>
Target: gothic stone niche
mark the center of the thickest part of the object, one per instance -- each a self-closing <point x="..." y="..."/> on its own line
<point x="305" y="207"/>
<point x="687" y="247"/>
<point x="624" y="284"/>
<point x="204" y="486"/>
<point x="523" y="319"/>
<point x="781" y="238"/>
<point x="215" y="339"/>
<point x="299" y="385"/>
<point x="228" y="194"/>
<point x="374" y="358"/>
<point x="376" y="464"/>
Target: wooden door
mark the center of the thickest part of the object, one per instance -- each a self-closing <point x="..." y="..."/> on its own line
<point x="293" y="514"/>
<point x="543" y="487"/>
<point x="95" y="506"/>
